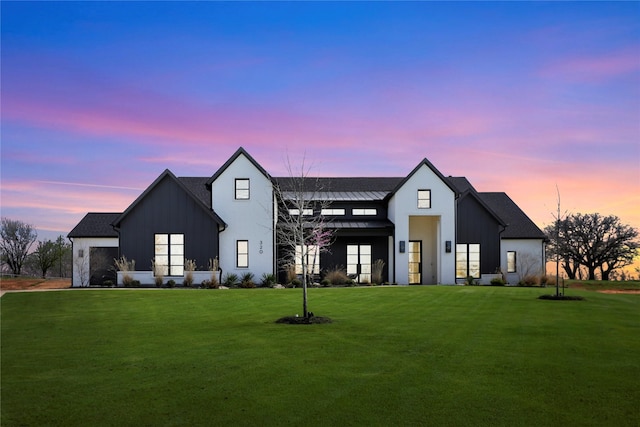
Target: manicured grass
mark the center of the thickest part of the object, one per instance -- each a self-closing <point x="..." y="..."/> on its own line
<point x="599" y="285"/>
<point x="392" y="356"/>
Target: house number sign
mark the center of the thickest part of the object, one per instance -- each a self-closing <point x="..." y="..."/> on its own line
<point x="260" y="251"/>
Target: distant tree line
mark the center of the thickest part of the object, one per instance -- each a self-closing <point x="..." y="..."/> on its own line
<point x="48" y="258"/>
<point x="597" y="244"/>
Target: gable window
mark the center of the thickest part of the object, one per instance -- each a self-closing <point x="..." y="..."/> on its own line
<point x="511" y="262"/>
<point x="169" y="254"/>
<point x="242" y="188"/>
<point x="310" y="256"/>
<point x="467" y="260"/>
<point x="424" y="199"/>
<point x="332" y="211"/>
<point x="367" y="211"/>
<point x="242" y="253"/>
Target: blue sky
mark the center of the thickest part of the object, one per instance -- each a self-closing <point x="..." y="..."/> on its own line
<point x="98" y="98"/>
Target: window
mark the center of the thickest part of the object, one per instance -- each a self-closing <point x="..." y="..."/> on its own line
<point x="242" y="189"/>
<point x="468" y="260"/>
<point x="424" y="199"/>
<point x="332" y="212"/>
<point x="305" y="212"/>
<point x="169" y="254"/>
<point x="367" y="211"/>
<point x="311" y="257"/>
<point x="242" y="253"/>
<point x="359" y="262"/>
<point x="511" y="262"/>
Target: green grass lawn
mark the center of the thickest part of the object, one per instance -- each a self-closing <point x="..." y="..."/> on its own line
<point x="393" y="356"/>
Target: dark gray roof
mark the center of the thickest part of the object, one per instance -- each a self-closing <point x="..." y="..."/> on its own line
<point x="340" y="189"/>
<point x="340" y="184"/>
<point x="95" y="225"/>
<point x="198" y="186"/>
<point x="519" y="225"/>
<point x="461" y="183"/>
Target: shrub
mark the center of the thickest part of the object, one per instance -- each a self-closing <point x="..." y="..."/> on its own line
<point x="171" y="283"/>
<point x="210" y="284"/>
<point x="230" y="280"/>
<point x="325" y="282"/>
<point x="528" y="280"/>
<point x="268" y="280"/>
<point x="189" y="268"/>
<point x="337" y="276"/>
<point x="470" y="281"/>
<point x="126" y="266"/>
<point x="498" y="281"/>
<point x="246" y="281"/>
<point x="544" y="280"/>
<point x="132" y="284"/>
<point x="158" y="272"/>
<point x="291" y="273"/>
<point x="350" y="282"/>
<point x="296" y="283"/>
<point x="376" y="271"/>
<point x="107" y="283"/>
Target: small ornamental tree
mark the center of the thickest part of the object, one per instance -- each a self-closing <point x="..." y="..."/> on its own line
<point x="301" y="231"/>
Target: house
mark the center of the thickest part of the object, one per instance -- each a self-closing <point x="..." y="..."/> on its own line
<point x="425" y="227"/>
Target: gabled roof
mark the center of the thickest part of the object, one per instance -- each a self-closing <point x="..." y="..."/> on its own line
<point x="95" y="224"/>
<point x="181" y="183"/>
<point x="465" y="189"/>
<point x="198" y="186"/>
<point x="519" y="225"/>
<point x="427" y="163"/>
<point x="239" y="151"/>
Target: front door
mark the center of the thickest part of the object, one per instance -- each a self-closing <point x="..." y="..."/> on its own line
<point x="415" y="262"/>
<point x="359" y="262"/>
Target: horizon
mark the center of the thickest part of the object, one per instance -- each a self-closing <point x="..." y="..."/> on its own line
<point x="531" y="99"/>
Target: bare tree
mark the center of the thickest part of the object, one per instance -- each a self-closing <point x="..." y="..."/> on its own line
<point x="301" y="230"/>
<point x="17" y="238"/>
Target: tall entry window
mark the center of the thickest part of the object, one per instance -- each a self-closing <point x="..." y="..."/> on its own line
<point x="359" y="262"/>
<point x="169" y="254"/>
<point x="415" y="262"/>
<point x="467" y="260"/>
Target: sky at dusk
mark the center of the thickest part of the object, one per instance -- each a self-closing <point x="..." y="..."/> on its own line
<point x="97" y="99"/>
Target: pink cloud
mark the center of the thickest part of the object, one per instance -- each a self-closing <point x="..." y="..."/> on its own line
<point x="595" y="68"/>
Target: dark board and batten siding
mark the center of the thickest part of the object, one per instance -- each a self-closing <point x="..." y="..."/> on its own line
<point x="168" y="209"/>
<point x="476" y="225"/>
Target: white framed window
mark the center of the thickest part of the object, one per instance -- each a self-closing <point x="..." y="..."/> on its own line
<point x="311" y="256"/>
<point x="169" y="254"/>
<point x="305" y="212"/>
<point x="511" y="262"/>
<point x="467" y="260"/>
<point x="242" y="188"/>
<point x="332" y="211"/>
<point x="424" y="199"/>
<point x="242" y="253"/>
<point x="365" y="211"/>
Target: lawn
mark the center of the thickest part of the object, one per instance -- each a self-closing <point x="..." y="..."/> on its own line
<point x="392" y="356"/>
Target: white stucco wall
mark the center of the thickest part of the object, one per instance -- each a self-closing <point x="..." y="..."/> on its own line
<point x="81" y="265"/>
<point x="250" y="220"/>
<point x="530" y="255"/>
<point x="403" y="205"/>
